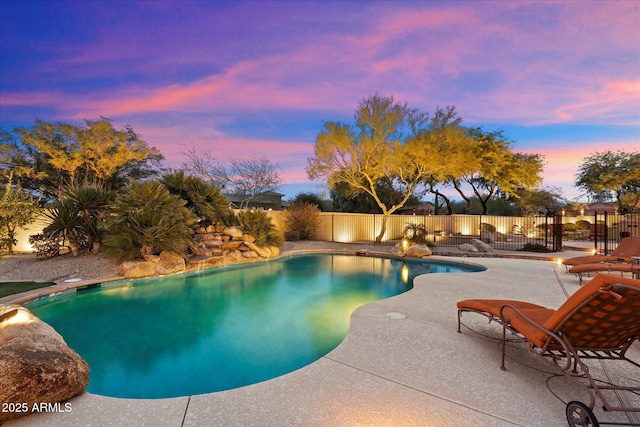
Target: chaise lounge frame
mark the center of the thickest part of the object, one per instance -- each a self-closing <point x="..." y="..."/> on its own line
<point x="600" y="321"/>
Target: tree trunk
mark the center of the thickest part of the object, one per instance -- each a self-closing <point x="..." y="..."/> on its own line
<point x="383" y="228"/>
<point x="73" y="245"/>
<point x="466" y="199"/>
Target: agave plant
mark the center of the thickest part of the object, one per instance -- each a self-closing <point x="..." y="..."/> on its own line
<point x="146" y="219"/>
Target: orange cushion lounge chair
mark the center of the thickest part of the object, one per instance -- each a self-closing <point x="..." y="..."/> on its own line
<point x="609" y="267"/>
<point x="599" y="321"/>
<point x="628" y="247"/>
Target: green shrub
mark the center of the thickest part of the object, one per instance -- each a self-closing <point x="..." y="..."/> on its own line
<point x="302" y="217"/>
<point x="146" y="219"/>
<point x="570" y="226"/>
<point x="45" y="246"/>
<point x="583" y="224"/>
<point x="259" y="225"/>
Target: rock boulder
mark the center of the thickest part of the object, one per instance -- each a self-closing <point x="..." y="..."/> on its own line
<point x="418" y="251"/>
<point x="137" y="268"/>
<point x="36" y="365"/>
<point x="482" y="246"/>
<point x="468" y="247"/>
<point x="170" y="263"/>
<point x="397" y="250"/>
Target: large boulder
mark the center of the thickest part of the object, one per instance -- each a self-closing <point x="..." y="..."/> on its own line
<point x="202" y="262"/>
<point x="468" y="247"/>
<point x="264" y="252"/>
<point x="137" y="268"/>
<point x="398" y="250"/>
<point x="482" y="246"/>
<point x="36" y="365"/>
<point x="170" y="263"/>
<point x="418" y="251"/>
<point x="234" y="232"/>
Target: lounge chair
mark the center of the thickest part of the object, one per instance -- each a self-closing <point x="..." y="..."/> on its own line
<point x="628" y="247"/>
<point x="599" y="321"/>
<point x="609" y="267"/>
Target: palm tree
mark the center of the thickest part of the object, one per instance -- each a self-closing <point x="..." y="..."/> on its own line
<point x="146" y="219"/>
<point x="203" y="198"/>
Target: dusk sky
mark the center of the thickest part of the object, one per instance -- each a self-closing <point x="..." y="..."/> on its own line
<point x="561" y="78"/>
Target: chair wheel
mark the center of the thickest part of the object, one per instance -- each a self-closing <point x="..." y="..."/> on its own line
<point x="579" y="414"/>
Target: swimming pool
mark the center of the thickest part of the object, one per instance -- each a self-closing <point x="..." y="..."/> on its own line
<point x="226" y="327"/>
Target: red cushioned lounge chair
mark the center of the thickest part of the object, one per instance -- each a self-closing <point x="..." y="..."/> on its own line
<point x="609" y="267"/>
<point x="600" y="321"/>
<point x="628" y="247"/>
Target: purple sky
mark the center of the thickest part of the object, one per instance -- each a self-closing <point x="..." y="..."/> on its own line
<point x="237" y="78"/>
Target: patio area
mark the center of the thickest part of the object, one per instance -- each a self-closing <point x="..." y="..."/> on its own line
<point x="402" y="363"/>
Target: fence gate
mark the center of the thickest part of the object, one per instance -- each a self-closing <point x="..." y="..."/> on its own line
<point x="608" y="228"/>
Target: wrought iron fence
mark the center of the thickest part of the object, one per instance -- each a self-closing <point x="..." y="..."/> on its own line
<point x="608" y="228"/>
<point x="502" y="232"/>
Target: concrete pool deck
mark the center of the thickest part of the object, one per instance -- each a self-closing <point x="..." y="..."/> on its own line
<point x="402" y="363"/>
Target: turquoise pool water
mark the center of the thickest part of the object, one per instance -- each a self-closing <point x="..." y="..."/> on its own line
<point x="222" y="328"/>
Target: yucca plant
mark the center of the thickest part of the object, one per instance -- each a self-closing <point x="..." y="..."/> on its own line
<point x="146" y="219"/>
<point x="65" y="224"/>
<point x="90" y="204"/>
<point x="259" y="225"/>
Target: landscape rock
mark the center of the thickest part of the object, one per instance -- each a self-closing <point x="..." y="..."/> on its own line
<point x="234" y="255"/>
<point x="137" y="268"/>
<point x="170" y="263"/>
<point x="275" y="251"/>
<point x="202" y="262"/>
<point x="397" y="250"/>
<point x="248" y="238"/>
<point x="418" y="251"/>
<point x="482" y="246"/>
<point x="468" y="247"/>
<point x="36" y="365"/>
<point x="250" y="254"/>
<point x="234" y="232"/>
<point x="263" y="252"/>
<point x="231" y="245"/>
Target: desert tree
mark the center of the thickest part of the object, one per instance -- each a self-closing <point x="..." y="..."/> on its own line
<point x="58" y="157"/>
<point x="18" y="208"/>
<point x="612" y="172"/>
<point x="247" y="178"/>
<point x="385" y="144"/>
<point x="495" y="168"/>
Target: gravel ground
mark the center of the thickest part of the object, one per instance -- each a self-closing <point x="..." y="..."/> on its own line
<point x="28" y="267"/>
